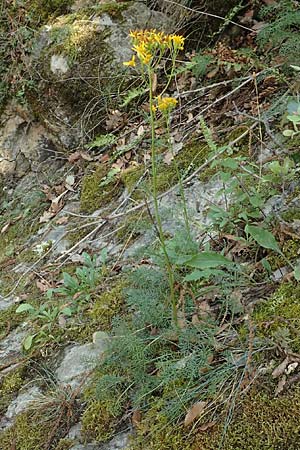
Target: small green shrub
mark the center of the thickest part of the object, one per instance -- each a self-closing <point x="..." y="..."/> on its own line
<point x="281" y="34"/>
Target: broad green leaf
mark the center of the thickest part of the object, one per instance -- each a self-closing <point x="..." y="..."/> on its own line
<point x="67" y="311"/>
<point x="27" y="344"/>
<point x="263" y="237"/>
<point x="288" y="133"/>
<point x="25" y="307"/>
<point x="295" y="67"/>
<point x="69" y="281"/>
<point x="206" y="260"/>
<point x="297" y="272"/>
<point x="202" y="274"/>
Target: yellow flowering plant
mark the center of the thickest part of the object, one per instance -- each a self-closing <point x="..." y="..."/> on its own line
<point x="149" y="47"/>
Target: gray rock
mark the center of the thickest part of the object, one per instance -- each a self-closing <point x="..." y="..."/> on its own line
<point x="119" y="442"/>
<point x="101" y="45"/>
<point x="79" y="360"/>
<point x="59" y="242"/>
<point x="11" y="346"/>
<point x="59" y="64"/>
<point x="6" y="303"/>
<point x="22" y="402"/>
<point x="23" y="142"/>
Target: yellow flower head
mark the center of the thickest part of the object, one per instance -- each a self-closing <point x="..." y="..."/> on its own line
<point x="166" y="104"/>
<point x="130" y="63"/>
<point x="151" y="43"/>
<point x="178" y="41"/>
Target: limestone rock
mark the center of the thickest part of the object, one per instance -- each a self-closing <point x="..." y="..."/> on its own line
<point x="79" y="360"/>
<point x="79" y="61"/>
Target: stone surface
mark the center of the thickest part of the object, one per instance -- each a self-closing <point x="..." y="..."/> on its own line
<point x="24" y="143"/>
<point x="59" y="64"/>
<point x="119" y="442"/>
<point x="88" y="69"/>
<point x="22" y="402"/>
<point x="79" y="360"/>
<point x="6" y="302"/>
<point x="11" y="346"/>
<point x="199" y="196"/>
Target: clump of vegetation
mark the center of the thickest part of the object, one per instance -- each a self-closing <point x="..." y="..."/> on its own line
<point x="281" y="32"/>
<point x="97" y="190"/>
<point x="279" y="317"/>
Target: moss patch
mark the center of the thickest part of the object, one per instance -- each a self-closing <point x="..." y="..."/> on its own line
<point x="108" y="305"/>
<point x="25" y="434"/>
<point x="100" y="419"/>
<point x="9" y="387"/>
<point x="189" y="158"/>
<point x="279" y="317"/>
<point x="261" y="422"/>
<point x="93" y="195"/>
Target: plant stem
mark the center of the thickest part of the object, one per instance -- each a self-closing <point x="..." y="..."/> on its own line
<point x="155" y="202"/>
<point x="180" y="184"/>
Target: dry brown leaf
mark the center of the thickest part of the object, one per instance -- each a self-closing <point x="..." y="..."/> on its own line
<point x="280" y="386"/>
<point x="74" y="157"/>
<point x="43" y="286"/>
<point x="206" y="426"/>
<point x="154" y="83"/>
<point x="136" y="418"/>
<point x="194" y="413"/>
<point x="168" y="158"/>
<point x="46" y="216"/>
<point x="280" y="369"/>
<point x="212" y="73"/>
<point x="6" y="227"/>
<point x="62" y="220"/>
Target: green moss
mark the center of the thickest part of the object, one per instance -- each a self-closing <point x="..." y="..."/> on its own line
<point x="188" y="159"/>
<point x="9" y="320"/>
<point x="112" y="8"/>
<point x="93" y="196"/>
<point x="9" y="387"/>
<point x="263" y="422"/>
<point x="41" y="10"/>
<point x="154" y="432"/>
<point x="260" y="422"/>
<point x="100" y="419"/>
<point x="279" y="317"/>
<point x="107" y="305"/>
<point x="25" y="434"/>
<point x="291" y="214"/>
<point x="290" y="249"/>
<point x="65" y="444"/>
<point x="133" y="226"/>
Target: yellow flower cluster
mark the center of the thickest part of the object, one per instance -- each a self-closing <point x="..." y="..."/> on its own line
<point x="146" y="43"/>
<point x="165" y="104"/>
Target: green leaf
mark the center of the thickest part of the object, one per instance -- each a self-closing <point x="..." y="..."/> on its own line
<point x="202" y="274"/>
<point x="263" y="237"/>
<point x="25" y="307"/>
<point x="297" y="272"/>
<point x="207" y="260"/>
<point x="266" y="265"/>
<point x="67" y="311"/>
<point x="133" y="94"/>
<point x="28" y="341"/>
<point x="102" y="141"/>
<point x="288" y="133"/>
